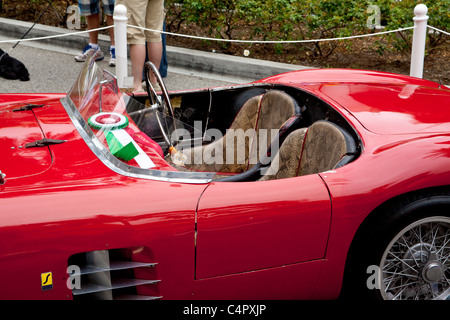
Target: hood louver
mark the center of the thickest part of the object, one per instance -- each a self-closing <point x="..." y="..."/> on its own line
<point x="117" y="274"/>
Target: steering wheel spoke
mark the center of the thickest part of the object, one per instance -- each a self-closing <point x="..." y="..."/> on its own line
<point x="161" y="102"/>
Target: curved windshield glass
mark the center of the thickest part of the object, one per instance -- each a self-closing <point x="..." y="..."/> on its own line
<point x="129" y="137"/>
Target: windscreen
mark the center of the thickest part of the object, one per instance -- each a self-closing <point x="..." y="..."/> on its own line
<point x="131" y="135"/>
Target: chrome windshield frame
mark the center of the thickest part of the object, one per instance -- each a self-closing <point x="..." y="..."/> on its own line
<point x="82" y="90"/>
<point x="122" y="168"/>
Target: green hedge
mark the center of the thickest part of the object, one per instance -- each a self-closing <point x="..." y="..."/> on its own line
<point x="307" y="19"/>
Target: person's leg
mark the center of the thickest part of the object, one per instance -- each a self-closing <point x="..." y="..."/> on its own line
<point x="110" y="22"/>
<point x="154" y="21"/>
<point x="164" y="64"/>
<point x="108" y="10"/>
<point x="112" y="47"/>
<point x="136" y="38"/>
<point x="93" y="22"/>
<point x="91" y="10"/>
<point x="137" y="57"/>
<point x="154" y="51"/>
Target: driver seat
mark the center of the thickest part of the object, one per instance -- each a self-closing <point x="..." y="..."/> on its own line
<point x="253" y="123"/>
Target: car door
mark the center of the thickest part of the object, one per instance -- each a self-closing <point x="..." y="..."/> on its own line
<point x="245" y="226"/>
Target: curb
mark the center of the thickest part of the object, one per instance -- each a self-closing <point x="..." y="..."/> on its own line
<point x="188" y="59"/>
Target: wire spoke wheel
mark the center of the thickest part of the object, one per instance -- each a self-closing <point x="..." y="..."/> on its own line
<point x="416" y="263"/>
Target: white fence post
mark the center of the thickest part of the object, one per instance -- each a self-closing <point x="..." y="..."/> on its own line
<point x="419" y="40"/>
<point x="120" y="36"/>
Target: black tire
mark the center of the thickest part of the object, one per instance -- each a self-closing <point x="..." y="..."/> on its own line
<point x="375" y="271"/>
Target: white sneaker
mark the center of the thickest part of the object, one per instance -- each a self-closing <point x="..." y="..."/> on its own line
<point x="87" y="51"/>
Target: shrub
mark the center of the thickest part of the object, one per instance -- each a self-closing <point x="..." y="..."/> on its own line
<point x="398" y="14"/>
<point x="306" y="19"/>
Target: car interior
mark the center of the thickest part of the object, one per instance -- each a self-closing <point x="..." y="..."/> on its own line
<point x="310" y="136"/>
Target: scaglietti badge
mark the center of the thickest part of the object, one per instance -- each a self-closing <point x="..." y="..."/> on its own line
<point x="46" y="281"/>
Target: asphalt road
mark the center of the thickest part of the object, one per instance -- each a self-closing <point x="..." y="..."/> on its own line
<point x="54" y="69"/>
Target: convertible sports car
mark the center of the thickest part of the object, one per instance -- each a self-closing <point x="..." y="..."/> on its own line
<point x="313" y="184"/>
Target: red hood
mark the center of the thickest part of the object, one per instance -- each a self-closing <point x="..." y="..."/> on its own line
<point x="17" y="128"/>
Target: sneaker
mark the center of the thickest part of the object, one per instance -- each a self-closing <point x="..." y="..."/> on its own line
<point x="87" y="51"/>
<point x="112" y="59"/>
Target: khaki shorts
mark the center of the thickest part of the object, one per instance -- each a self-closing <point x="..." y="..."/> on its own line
<point x="146" y="14"/>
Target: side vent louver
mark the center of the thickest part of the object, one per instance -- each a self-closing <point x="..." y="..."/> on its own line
<point x="116" y="274"/>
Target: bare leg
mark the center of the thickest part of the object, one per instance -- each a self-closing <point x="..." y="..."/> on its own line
<point x="110" y="22"/>
<point x="93" y="22"/>
<point x="154" y="51"/>
<point x="137" y="57"/>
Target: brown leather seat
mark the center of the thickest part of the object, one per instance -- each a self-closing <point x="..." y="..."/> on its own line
<point x="277" y="107"/>
<point x="212" y="157"/>
<point x="248" y="137"/>
<point x="323" y="146"/>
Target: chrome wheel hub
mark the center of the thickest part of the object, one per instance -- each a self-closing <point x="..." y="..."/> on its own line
<point x="416" y="263"/>
<point x="433" y="272"/>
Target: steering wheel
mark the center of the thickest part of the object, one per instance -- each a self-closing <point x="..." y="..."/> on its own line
<point x="165" y="107"/>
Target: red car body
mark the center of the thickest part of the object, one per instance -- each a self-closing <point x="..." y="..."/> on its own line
<point x="280" y="239"/>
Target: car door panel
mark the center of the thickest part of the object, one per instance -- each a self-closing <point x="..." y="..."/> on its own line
<point x="245" y="226"/>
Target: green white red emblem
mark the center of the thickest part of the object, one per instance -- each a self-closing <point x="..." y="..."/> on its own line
<point x="120" y="143"/>
<point x="108" y="121"/>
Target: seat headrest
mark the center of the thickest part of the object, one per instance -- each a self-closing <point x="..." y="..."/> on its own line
<point x="280" y="101"/>
<point x="326" y="145"/>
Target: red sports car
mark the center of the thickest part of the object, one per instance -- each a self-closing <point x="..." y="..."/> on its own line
<point x="313" y="184"/>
